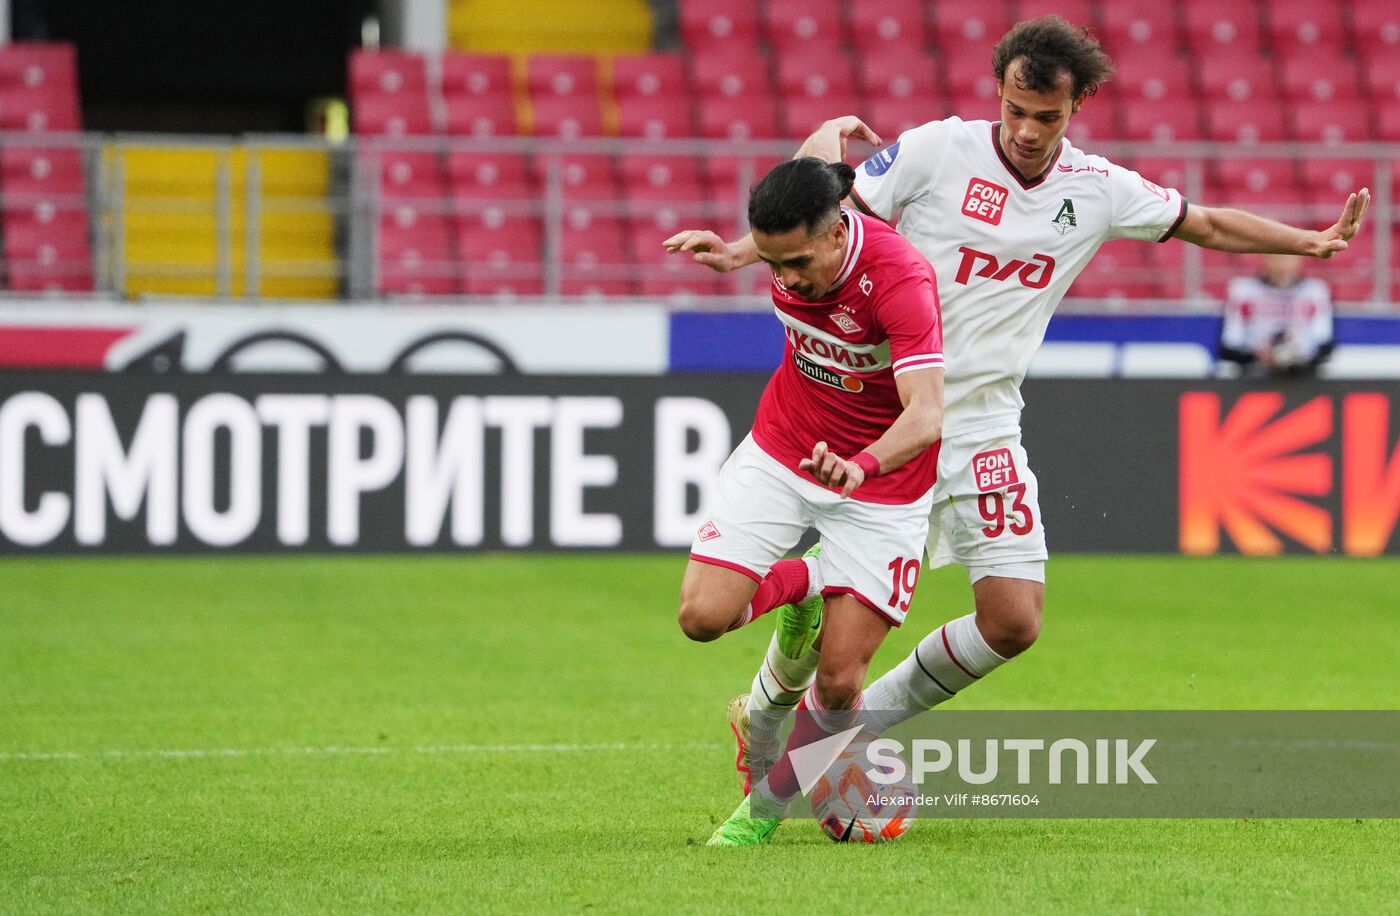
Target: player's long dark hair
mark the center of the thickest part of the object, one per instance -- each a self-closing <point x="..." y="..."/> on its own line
<point x="800" y="192"/>
<point x="1047" y="47"/>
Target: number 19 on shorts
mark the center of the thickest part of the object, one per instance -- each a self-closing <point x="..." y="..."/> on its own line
<point x="904" y="576"/>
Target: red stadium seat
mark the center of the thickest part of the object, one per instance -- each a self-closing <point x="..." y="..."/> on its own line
<point x="815" y="76"/>
<point x="1305" y="27"/>
<point x="500" y="255"/>
<point x="802" y="115"/>
<point x="1236" y="77"/>
<point x="1095" y="123"/>
<point x="1139" y="78"/>
<point x="1164" y="123"/>
<point x="814" y="28"/>
<point x="568" y="117"/>
<point x="738" y="118"/>
<point x="1117" y="271"/>
<point x="40" y="170"/>
<point x="581" y="177"/>
<point x="732" y="76"/>
<point x="655" y="117"/>
<point x="1331" y="122"/>
<point x="594" y="258"/>
<point x="957" y="26"/>
<point x="481" y="116"/>
<point x="1259" y="175"/>
<point x="897" y="74"/>
<point x="1388" y="127"/>
<point x="1382" y="76"/>
<point x="659" y="178"/>
<point x="1377" y="27"/>
<point x="491" y="176"/>
<point x="1217" y="28"/>
<point x="407" y="175"/>
<point x="1078" y="12"/>
<point x="1317" y="76"/>
<point x="415" y="252"/>
<point x="732" y="176"/>
<point x="401" y="115"/>
<point x="1260" y="120"/>
<point x="476" y="75"/>
<point x="891" y="117"/>
<point x="37" y="64"/>
<point x="967" y="73"/>
<point x="1288" y="204"/>
<point x="562" y="76"/>
<point x="718" y="24"/>
<point x="1336" y="178"/>
<point x="881" y="27"/>
<point x="43" y="108"/>
<point x="387" y="73"/>
<point x="1134" y="28"/>
<point x="649" y="76"/>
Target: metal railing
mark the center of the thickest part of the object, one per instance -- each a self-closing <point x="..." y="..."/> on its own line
<point x="236" y="231"/>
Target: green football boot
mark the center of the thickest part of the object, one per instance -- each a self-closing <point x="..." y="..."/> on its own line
<point x="799" y="623"/>
<point x="743" y="830"/>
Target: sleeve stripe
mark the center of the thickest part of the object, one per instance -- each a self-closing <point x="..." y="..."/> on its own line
<point x="921" y="357"/>
<point x="1181" y="218"/>
<point x="862" y="205"/>
<point x="932" y="362"/>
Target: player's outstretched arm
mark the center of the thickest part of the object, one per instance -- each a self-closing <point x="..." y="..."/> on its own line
<point x="914" y="430"/>
<point x="828" y="142"/>
<point x="714" y="252"/>
<point x="1246" y="233"/>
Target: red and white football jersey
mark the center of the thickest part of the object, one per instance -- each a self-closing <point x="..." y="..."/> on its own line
<point x="1005" y="250"/>
<point x="836" y="382"/>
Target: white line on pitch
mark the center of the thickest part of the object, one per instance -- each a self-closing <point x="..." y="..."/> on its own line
<point x="336" y="750"/>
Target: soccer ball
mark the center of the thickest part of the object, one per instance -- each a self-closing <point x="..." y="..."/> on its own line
<point x="853" y="808"/>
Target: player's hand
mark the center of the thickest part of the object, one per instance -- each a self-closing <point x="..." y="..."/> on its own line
<point x="707" y="248"/>
<point x="851" y="126"/>
<point x="833" y="471"/>
<point x="1335" y="238"/>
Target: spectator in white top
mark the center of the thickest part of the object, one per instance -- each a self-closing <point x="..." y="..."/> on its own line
<point x="1278" y="323"/>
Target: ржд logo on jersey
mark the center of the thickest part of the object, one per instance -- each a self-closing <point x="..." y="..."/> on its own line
<point x="1064" y="221"/>
<point x="1033" y="275"/>
<point x="985" y="201"/>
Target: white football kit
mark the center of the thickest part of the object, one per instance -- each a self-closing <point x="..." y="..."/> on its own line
<point x="1005" y="251"/>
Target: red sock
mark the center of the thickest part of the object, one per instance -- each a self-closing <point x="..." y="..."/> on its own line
<point x="813" y="722"/>
<point x="785" y="583"/>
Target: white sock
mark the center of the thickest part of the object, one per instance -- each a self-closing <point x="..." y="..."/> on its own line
<point x="777" y="688"/>
<point x="814" y="578"/>
<point x="950" y="658"/>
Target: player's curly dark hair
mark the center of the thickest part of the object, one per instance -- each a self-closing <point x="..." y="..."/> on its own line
<point x="1047" y="47"/>
<point x="800" y="192"/>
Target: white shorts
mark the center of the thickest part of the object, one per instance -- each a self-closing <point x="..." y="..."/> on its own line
<point x="761" y="510"/>
<point x="986" y="509"/>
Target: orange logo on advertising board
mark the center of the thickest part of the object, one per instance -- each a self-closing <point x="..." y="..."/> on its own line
<point x="1245" y="473"/>
<point x="1249" y="474"/>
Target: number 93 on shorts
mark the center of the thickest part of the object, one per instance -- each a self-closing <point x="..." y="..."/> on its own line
<point x="986" y="510"/>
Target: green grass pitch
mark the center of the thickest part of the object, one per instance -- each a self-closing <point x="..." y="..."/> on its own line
<point x="525" y="733"/>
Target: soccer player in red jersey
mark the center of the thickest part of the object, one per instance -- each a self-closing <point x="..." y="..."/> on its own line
<point x="845" y="440"/>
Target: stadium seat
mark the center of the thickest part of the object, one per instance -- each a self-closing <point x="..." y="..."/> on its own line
<point x="801" y="115"/>
<point x="567" y="117"/>
<point x="815" y="76"/>
<point x="1376" y="24"/>
<point x="1117" y="271"/>
<point x="1078" y="12"/>
<point x="40" y="170"/>
<point x="1319" y="76"/>
<point x="880" y="27"/>
<point x="1382" y="77"/>
<point x="814" y="28"/>
<point x="655" y="117"/>
<point x="1164" y="123"/>
<point x="1335" y="178"/>
<point x="1303" y="27"/>
<point x="36" y="64"/>
<point x="594" y="256"/>
<point x="46" y="247"/>
<point x="407" y="175"/>
<point x="1213" y="28"/>
<point x="1130" y="29"/>
<point x="967" y="73"/>
<point x="401" y="115"/>
<point x="562" y="76"/>
<point x="39" y="109"/>
<point x="1095" y="123"/>
<point x="732" y="176"/>
<point x="738" y="118"/>
<point x="500" y="254"/>
<point x="1259" y="120"/>
<point x="1236" y="78"/>
<point x="415" y="252"/>
<point x="731" y="76"/>
<point x="387" y="73"/>
<point x="582" y="176"/>
<point x="722" y="25"/>
<point x="957" y="27"/>
<point x="1388" y="128"/>
<point x="481" y="116"/>
<point x="476" y="75"/>
<point x="1255" y="174"/>
<point x="1144" y="78"/>
<point x="891" y="117"/>
<point x="1331" y="122"/>
<point x="490" y="176"/>
<point x="661" y="178"/>
<point x="649" y="76"/>
<point x="897" y="73"/>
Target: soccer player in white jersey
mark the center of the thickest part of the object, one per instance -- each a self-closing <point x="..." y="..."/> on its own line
<point x="1008" y="213"/>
